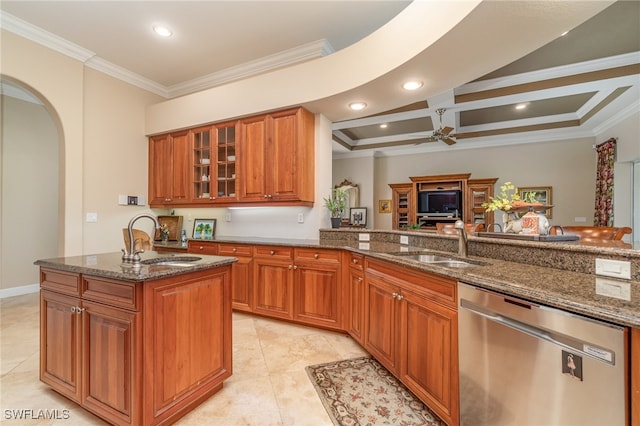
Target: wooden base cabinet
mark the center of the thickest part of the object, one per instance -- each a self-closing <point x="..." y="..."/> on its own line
<point x="273" y="281"/>
<point x="411" y="328"/>
<point x="355" y="296"/>
<point x="130" y="362"/>
<point x="242" y="285"/>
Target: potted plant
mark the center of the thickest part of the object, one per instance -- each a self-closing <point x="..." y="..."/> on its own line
<point x="336" y="205"/>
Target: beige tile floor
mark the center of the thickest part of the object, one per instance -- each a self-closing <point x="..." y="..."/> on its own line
<point x="269" y="385"/>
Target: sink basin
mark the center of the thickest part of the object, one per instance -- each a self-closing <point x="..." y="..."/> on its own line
<point x="435" y="259"/>
<point x="182" y="261"/>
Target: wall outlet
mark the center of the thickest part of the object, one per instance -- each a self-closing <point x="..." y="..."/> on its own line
<point x="227" y="217"/>
<point x="300" y="217"/>
<point x="580" y="219"/>
<point x="92" y="217"/>
<point x="613" y="268"/>
<point x="363" y="237"/>
<point x="404" y="239"/>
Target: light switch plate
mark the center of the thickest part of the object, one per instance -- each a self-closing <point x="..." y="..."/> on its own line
<point x="613" y="268"/>
<point x="404" y="239"/>
<point x="363" y="237"/>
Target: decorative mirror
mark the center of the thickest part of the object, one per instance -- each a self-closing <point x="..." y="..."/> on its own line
<point x="353" y="197"/>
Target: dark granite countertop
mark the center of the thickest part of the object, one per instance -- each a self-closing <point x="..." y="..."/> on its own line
<point x="109" y="265"/>
<point x="609" y="299"/>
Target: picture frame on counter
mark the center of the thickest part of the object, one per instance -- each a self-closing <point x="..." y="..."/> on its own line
<point x="173" y="224"/>
<point x="543" y="195"/>
<point x="204" y="229"/>
<point x="358" y="216"/>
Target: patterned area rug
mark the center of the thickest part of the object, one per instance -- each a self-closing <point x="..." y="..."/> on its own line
<point x="360" y="391"/>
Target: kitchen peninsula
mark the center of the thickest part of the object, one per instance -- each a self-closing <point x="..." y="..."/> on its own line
<point x="136" y="345"/>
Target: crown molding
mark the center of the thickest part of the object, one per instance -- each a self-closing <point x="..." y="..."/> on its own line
<point x="305" y="52"/>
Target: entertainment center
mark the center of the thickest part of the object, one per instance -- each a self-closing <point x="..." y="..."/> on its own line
<point x="428" y="200"/>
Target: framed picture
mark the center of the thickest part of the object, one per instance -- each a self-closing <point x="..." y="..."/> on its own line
<point x="358" y="216"/>
<point x="173" y="224"/>
<point x="204" y="229"/>
<point x="384" y="206"/>
<point x="542" y="195"/>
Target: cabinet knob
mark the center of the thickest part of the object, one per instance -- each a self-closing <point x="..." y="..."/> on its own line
<point x="234" y="250"/>
<point x="290" y="266"/>
<point x="200" y="248"/>
<point x="295" y="266"/>
<point x="359" y="279"/>
<point x="316" y="256"/>
<point x="272" y="252"/>
<point x="394" y="295"/>
<point x="354" y="261"/>
<point x="400" y="297"/>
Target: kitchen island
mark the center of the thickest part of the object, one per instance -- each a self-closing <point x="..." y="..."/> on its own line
<point x="136" y="345"/>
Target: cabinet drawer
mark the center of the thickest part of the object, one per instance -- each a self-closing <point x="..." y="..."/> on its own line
<point x="63" y="282"/>
<point x="225" y="249"/>
<point x="321" y="255"/>
<point x="355" y="260"/>
<point x="115" y="293"/>
<point x="274" y="252"/>
<point x="203" y="247"/>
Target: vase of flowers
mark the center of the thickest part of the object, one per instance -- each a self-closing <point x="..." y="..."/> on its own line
<point x="336" y="205"/>
<point x="510" y="202"/>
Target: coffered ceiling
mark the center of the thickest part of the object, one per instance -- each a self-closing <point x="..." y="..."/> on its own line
<point x="573" y="86"/>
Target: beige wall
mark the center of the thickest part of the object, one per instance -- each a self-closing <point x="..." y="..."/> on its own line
<point x="29" y="225"/>
<point x="567" y="166"/>
<point x="359" y="171"/>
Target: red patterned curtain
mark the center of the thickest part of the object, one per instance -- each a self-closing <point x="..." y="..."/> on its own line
<point x="606" y="153"/>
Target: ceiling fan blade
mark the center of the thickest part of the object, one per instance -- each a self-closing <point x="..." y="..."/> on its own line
<point x="448" y="141"/>
<point x="446" y="130"/>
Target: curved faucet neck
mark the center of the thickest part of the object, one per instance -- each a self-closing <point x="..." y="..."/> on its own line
<point x="132" y="255"/>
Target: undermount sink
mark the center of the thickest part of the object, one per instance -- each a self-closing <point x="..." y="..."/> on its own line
<point x="183" y="261"/>
<point x="435" y="259"/>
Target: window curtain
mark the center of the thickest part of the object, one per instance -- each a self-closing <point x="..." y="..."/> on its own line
<point x="606" y="157"/>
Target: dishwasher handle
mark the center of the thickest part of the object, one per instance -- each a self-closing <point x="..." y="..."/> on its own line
<point x="573" y="344"/>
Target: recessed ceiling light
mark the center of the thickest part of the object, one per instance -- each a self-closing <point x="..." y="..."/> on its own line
<point x="412" y="85"/>
<point x="162" y="31"/>
<point x="357" y="106"/>
<point x="384" y="125"/>
<point x="521" y="106"/>
<point x="564" y="33"/>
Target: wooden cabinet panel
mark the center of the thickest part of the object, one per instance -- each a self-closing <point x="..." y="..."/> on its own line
<point x="125" y="295"/>
<point x="241" y="271"/>
<point x="428" y="349"/>
<point x="317" y="294"/>
<point x="191" y="358"/>
<point x="255" y="172"/>
<point x="169" y="169"/>
<point x="61" y="282"/>
<point x="111" y="358"/>
<point x="355" y="307"/>
<point x="273" y="287"/>
<point x="60" y="343"/>
<point x="202" y="247"/>
<point x="382" y="322"/>
<point x="277" y="157"/>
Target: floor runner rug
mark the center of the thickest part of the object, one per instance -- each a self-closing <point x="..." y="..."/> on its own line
<point x="360" y="391"/>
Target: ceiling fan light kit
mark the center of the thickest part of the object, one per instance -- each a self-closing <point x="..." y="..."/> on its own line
<point x="442" y="133"/>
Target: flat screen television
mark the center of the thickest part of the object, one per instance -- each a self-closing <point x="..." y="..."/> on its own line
<point x="440" y="203"/>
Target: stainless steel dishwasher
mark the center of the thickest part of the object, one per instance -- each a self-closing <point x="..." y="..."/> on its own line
<point x="524" y="364"/>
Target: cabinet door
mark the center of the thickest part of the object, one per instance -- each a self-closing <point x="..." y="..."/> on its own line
<point x="427" y="353"/>
<point x="316" y="297"/>
<point x="273" y="287"/>
<point x="356" y="307"/>
<point x="169" y="170"/>
<point x="382" y="333"/>
<point x="241" y="286"/>
<point x="185" y="360"/>
<point x="160" y="169"/>
<point x="60" y="343"/>
<point x="112" y="355"/>
<point x="253" y="148"/>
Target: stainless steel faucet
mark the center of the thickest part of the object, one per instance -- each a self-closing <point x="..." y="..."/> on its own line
<point x="132" y="255"/>
<point x="462" y="240"/>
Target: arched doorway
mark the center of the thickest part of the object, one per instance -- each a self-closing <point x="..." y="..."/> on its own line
<point x="31" y="177"/>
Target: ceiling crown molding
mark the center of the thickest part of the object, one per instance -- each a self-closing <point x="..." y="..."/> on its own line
<point x="298" y="54"/>
<point x="305" y="52"/>
<point x="45" y="38"/>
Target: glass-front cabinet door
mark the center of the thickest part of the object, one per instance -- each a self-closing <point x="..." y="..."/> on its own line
<point x="214" y="163"/>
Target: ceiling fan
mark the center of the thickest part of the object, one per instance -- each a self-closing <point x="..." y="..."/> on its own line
<point x="443" y="133"/>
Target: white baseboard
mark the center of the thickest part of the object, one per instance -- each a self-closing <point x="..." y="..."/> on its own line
<point x="19" y="291"/>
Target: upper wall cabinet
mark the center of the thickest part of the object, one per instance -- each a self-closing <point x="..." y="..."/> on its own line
<point x="214" y="163"/>
<point x="266" y="160"/>
<point x="277" y="158"/>
<point x="169" y="174"/>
